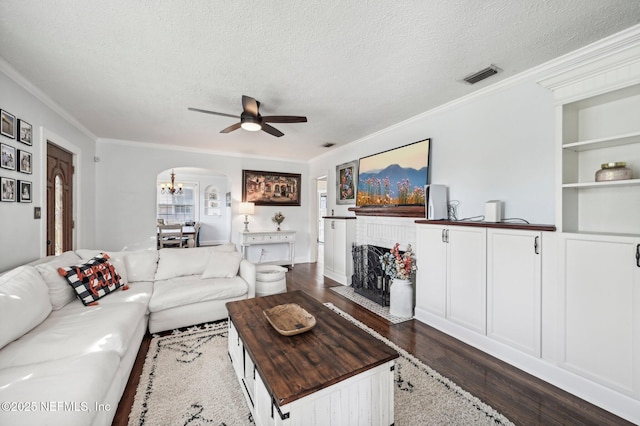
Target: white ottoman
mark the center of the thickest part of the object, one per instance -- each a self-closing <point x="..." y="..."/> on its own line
<point x="270" y="279"/>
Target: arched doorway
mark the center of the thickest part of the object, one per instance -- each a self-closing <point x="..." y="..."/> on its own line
<point x="204" y="197"/>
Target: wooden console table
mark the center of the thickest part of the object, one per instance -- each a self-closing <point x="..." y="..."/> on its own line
<point x="335" y="373"/>
<point x="270" y="237"/>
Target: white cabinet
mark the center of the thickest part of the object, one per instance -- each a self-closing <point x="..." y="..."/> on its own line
<point x="431" y="277"/>
<point x="451" y="278"/>
<point x="600" y="325"/>
<point x="597" y="116"/>
<point x="514" y="288"/>
<point x="339" y="237"/>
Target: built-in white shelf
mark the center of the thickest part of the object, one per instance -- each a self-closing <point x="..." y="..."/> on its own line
<point x="607" y="142"/>
<point x="627" y="182"/>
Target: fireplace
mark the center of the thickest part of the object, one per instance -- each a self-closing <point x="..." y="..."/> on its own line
<point x="368" y="277"/>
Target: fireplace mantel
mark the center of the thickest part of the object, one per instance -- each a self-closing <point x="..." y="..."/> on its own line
<point x="393" y="211"/>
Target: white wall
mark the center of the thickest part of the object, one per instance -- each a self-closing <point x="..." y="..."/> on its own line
<point x="126" y="178"/>
<point x="22" y="238"/>
<point x="496" y="146"/>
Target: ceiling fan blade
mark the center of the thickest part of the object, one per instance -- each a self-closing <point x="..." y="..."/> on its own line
<point x="231" y="128"/>
<point x="212" y="112"/>
<point x="284" y="119"/>
<point x="271" y="130"/>
<point x="250" y="105"/>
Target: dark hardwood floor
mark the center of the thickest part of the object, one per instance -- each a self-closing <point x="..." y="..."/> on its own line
<point x="524" y="399"/>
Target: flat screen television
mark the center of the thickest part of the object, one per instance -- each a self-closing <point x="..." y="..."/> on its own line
<point x="394" y="178"/>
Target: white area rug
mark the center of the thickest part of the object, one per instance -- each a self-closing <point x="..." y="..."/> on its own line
<point x="383" y="311"/>
<point x="188" y="379"/>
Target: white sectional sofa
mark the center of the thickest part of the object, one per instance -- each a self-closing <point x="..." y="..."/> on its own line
<point x="64" y="363"/>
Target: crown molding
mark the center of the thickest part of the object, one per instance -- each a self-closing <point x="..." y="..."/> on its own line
<point x="13" y="74"/>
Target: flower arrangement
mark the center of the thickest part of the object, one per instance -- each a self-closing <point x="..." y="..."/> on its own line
<point x="396" y="265"/>
<point x="278" y="218"/>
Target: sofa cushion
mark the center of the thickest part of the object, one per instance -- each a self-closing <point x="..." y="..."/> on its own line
<point x="192" y="289"/>
<point x="93" y="279"/>
<point x="76" y="329"/>
<point x="24" y="302"/>
<point x="79" y="382"/>
<point x="60" y="293"/>
<point x="138" y="292"/>
<point x="181" y="263"/>
<point x="222" y="265"/>
<point x="141" y="265"/>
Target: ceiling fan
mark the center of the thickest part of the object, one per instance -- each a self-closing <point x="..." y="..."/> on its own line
<point x="251" y="120"/>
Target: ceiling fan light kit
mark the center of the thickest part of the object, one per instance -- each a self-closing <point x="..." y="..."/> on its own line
<point x="250" y="123"/>
<point x="251" y="120"/>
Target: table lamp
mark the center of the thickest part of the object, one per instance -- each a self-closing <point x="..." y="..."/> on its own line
<point x="246" y="209"/>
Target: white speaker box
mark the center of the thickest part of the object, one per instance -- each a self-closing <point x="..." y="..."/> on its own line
<point x="493" y="211"/>
<point x="436" y="202"/>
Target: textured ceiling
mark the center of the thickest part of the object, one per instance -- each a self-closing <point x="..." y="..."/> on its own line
<point x="130" y="69"/>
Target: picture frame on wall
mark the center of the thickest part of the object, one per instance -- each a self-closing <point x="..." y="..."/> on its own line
<point x="24" y="191"/>
<point x="271" y="188"/>
<point x="7" y="189"/>
<point x="7" y="157"/>
<point x="25" y="162"/>
<point x="7" y="124"/>
<point x="346" y="182"/>
<point x="25" y="132"/>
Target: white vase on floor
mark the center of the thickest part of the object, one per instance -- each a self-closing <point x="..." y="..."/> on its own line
<point x="401" y="298"/>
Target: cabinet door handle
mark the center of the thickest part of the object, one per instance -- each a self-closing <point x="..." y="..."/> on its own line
<point x="638" y="255"/>
<point x="333" y="224"/>
<point x="446" y="236"/>
<point x="443" y="232"/>
<point x="536" y="245"/>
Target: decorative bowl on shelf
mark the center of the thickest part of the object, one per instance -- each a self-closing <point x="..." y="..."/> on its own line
<point x="290" y="319"/>
<point x="613" y="171"/>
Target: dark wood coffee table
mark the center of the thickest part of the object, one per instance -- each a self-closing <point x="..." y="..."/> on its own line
<point x="335" y="371"/>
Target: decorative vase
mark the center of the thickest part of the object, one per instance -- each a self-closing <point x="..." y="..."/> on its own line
<point x="401" y="298"/>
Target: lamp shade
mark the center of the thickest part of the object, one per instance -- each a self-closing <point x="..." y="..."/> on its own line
<point x="247" y="208"/>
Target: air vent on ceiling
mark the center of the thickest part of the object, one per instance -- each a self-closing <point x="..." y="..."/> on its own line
<point x="328" y="145"/>
<point x="482" y="74"/>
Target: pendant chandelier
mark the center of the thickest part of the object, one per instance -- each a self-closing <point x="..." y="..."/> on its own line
<point x="171" y="187"/>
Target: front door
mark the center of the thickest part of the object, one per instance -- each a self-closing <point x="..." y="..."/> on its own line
<point x="59" y="200"/>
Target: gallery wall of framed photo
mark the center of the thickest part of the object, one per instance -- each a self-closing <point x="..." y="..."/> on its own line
<point x="16" y="159"/>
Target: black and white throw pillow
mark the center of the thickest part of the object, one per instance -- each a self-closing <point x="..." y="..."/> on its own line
<point x="94" y="279"/>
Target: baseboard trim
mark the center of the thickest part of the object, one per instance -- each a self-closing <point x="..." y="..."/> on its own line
<point x="608" y="399"/>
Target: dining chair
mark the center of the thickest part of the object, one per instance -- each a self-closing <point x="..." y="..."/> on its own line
<point x="170" y="235"/>
<point x="191" y="240"/>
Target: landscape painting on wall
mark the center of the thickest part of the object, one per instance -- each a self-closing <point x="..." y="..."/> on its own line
<point x="396" y="177"/>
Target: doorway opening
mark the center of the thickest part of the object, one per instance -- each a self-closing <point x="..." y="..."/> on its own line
<point x="59" y="200"/>
<point x="322" y="206"/>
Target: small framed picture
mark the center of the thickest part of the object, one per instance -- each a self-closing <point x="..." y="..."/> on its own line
<point x="24" y="191"/>
<point x="8" y="127"/>
<point x="24" y="132"/>
<point x="7" y="189"/>
<point x="24" y="162"/>
<point x="7" y="157"/>
<point x="346" y="182"/>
